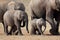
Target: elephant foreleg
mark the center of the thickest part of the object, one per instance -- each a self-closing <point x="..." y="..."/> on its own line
<point x="40" y="29"/>
<point x="57" y="26"/>
<point x="18" y="24"/>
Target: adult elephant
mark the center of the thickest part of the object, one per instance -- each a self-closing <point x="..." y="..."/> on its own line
<point x="46" y="9"/>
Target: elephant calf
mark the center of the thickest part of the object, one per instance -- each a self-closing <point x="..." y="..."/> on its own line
<point x="37" y="26"/>
<point x="14" y="18"/>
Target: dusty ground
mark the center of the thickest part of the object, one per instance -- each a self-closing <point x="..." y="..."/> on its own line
<point x="27" y="36"/>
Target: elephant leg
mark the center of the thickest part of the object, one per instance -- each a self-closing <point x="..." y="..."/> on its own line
<point x="38" y="32"/>
<point x="13" y="29"/>
<point x="33" y="31"/>
<point x="55" y="30"/>
<point x="50" y="20"/>
<point x="39" y="29"/>
<point x="56" y="26"/>
<point x="19" y="30"/>
<point x="6" y="29"/>
<point x="3" y="26"/>
<point x="18" y="24"/>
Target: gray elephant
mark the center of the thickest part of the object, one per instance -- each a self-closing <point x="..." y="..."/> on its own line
<point x="48" y="10"/>
<point x="37" y="25"/>
<point x="14" y="18"/>
<point x="4" y="7"/>
<point x="16" y="6"/>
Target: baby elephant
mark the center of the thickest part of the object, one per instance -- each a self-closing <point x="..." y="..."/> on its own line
<point x="14" y="18"/>
<point x="37" y="26"/>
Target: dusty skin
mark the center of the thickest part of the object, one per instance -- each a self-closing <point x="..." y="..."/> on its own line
<point x="26" y="36"/>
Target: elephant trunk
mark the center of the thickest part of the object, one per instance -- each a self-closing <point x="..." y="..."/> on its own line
<point x="27" y="25"/>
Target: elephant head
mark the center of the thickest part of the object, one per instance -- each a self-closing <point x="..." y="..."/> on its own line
<point x="23" y="17"/>
<point x="26" y="21"/>
<point x="16" y="5"/>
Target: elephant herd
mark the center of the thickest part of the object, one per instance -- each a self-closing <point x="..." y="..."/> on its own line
<point x="13" y="14"/>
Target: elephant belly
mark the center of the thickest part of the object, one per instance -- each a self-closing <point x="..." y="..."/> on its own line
<point x="38" y="8"/>
<point x="10" y="22"/>
<point x="39" y="12"/>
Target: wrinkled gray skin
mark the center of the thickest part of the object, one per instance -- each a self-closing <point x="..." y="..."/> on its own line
<point x="4" y="8"/>
<point x="48" y="9"/>
<point x="14" y="18"/>
<point x="37" y="25"/>
<point x="16" y="6"/>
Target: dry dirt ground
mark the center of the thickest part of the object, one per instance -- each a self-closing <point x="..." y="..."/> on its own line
<point x="26" y="36"/>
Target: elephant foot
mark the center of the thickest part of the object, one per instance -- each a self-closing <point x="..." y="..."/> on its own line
<point x="32" y="33"/>
<point x="8" y="34"/>
<point x="20" y="34"/>
<point x="38" y="33"/>
<point x="54" y="32"/>
<point x="16" y="33"/>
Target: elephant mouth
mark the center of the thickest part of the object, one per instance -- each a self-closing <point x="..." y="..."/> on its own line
<point x="22" y="24"/>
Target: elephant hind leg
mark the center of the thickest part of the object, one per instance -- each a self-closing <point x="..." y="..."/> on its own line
<point x="13" y="29"/>
<point x="33" y="31"/>
<point x="6" y="28"/>
<point x="38" y="33"/>
<point x="55" y="32"/>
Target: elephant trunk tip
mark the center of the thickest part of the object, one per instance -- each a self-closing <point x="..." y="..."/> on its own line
<point x="28" y="31"/>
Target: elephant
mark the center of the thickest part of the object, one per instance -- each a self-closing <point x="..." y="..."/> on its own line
<point x="48" y="10"/>
<point x="13" y="5"/>
<point x="14" y="18"/>
<point x="37" y="25"/>
<point x="4" y="6"/>
<point x="16" y="6"/>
